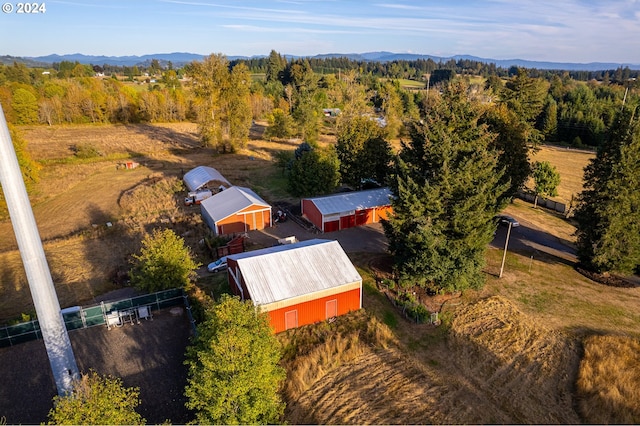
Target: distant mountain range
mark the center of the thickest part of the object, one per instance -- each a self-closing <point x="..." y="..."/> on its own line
<point x="180" y="58"/>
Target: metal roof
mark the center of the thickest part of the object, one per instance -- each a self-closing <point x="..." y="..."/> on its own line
<point x="198" y="177"/>
<point x="293" y="270"/>
<point x="230" y="201"/>
<point x="348" y="201"/>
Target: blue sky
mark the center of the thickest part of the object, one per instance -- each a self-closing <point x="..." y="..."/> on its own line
<point x="558" y="31"/>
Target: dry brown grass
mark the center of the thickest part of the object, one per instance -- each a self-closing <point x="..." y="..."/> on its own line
<point x="516" y="360"/>
<point x="507" y="359"/>
<point x="497" y="366"/>
<point x="609" y="380"/>
<point x="570" y="165"/>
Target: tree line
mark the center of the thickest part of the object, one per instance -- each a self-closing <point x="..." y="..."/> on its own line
<point x="293" y="92"/>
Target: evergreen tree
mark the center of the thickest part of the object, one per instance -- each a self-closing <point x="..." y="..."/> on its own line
<point x="97" y="400"/>
<point x="164" y="262"/>
<point x="513" y="119"/>
<point x="313" y="172"/>
<point x="375" y="159"/>
<point x="549" y="120"/>
<point x="234" y="374"/>
<point x="608" y="215"/>
<point x="447" y="192"/>
<point x="275" y="66"/>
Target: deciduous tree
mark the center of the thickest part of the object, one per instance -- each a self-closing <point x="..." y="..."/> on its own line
<point x="234" y="374"/>
<point x="164" y="262"/>
<point x="97" y="400"/>
<point x="545" y="179"/>
<point x="352" y="133"/>
<point x="280" y="125"/>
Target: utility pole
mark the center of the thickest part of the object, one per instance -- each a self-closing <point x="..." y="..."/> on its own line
<point x="54" y="333"/>
<point x="504" y="255"/>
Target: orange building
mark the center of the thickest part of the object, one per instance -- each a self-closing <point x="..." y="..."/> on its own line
<point x="236" y="210"/>
<point x="297" y="284"/>
<point x="346" y="210"/>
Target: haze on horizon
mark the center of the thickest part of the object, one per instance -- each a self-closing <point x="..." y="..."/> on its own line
<point x="578" y="31"/>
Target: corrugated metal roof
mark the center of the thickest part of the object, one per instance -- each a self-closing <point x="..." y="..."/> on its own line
<point x="348" y="201"/>
<point x="230" y="201"/>
<point x="284" y="272"/>
<point x="196" y="178"/>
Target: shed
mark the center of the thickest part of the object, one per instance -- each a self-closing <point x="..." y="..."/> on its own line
<point x="197" y="178"/>
<point x="235" y="210"/>
<point x="297" y="284"/>
<point x="349" y="209"/>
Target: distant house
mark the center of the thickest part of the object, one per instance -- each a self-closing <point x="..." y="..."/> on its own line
<point x="346" y="210"/>
<point x="297" y="284"/>
<point x="203" y="176"/>
<point x="235" y="210"/>
<point x="331" y="112"/>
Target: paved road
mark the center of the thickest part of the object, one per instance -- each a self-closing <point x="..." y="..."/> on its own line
<point x="530" y="240"/>
<point x="526" y="239"/>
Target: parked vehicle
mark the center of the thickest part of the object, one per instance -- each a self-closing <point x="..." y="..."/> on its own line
<point x="280" y="216"/>
<point x="288" y="240"/>
<point x="505" y="220"/>
<point x="218" y="265"/>
<point x="197" y="197"/>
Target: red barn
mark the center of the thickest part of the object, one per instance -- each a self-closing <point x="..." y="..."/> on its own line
<point x="346" y="210"/>
<point x="297" y="284"/>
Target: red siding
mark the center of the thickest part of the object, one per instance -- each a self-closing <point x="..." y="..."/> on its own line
<point x="310" y="210"/>
<point x="248" y="219"/>
<point x="314" y="311"/>
<point x="332" y="226"/>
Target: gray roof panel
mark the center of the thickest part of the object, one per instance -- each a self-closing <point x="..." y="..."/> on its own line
<point x="288" y="271"/>
<point x="198" y="177"/>
<point x="349" y="201"/>
<point x="230" y="201"/>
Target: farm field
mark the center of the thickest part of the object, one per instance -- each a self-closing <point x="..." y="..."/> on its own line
<point x="570" y="164"/>
<point x="509" y="353"/>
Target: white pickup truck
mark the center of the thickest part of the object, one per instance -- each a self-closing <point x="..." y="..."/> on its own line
<point x="197" y="197"/>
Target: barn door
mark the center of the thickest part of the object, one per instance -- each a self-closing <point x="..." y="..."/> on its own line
<point x="290" y="319"/>
<point x="332" y="308"/>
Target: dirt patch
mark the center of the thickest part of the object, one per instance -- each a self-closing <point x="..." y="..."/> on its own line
<point x="608" y="279"/>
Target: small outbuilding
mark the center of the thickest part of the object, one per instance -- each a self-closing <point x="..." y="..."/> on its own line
<point x="202" y="176"/>
<point x="235" y="210"/>
<point x="297" y="284"/>
<point x="349" y="209"/>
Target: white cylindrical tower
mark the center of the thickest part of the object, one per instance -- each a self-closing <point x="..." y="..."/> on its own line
<point x="43" y="292"/>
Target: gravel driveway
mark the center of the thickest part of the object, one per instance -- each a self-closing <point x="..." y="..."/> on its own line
<point x="148" y="355"/>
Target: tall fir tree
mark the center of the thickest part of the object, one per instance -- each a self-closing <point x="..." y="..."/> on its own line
<point x="446" y="192"/>
<point x="608" y="216"/>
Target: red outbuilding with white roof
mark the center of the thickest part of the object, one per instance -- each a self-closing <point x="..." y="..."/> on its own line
<point x="346" y="210"/>
<point x="297" y="284"/>
<point x="236" y="210"/>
